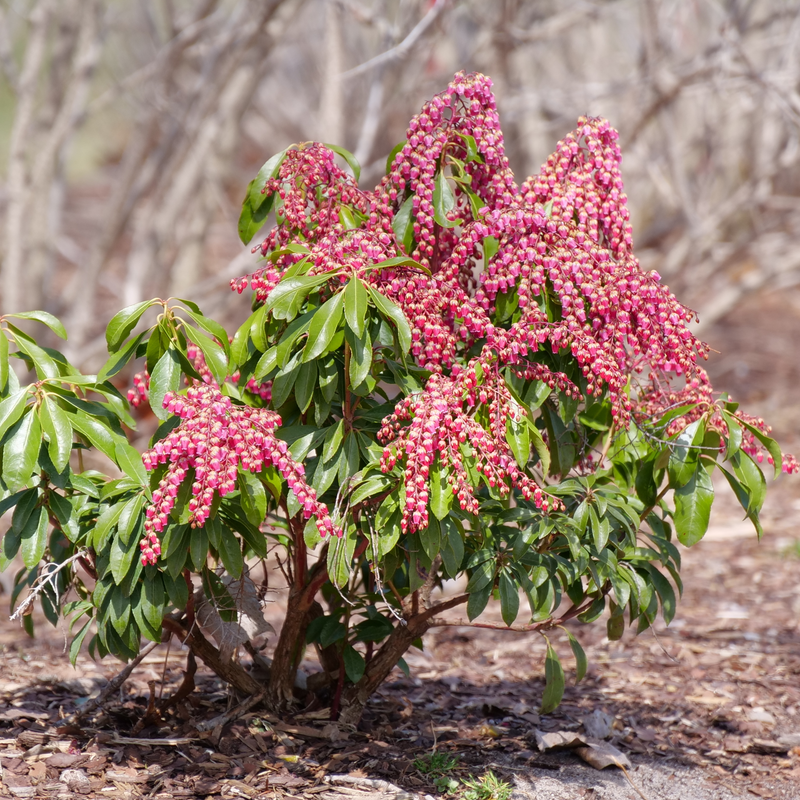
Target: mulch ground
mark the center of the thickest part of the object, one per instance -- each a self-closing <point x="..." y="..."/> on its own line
<point x="715" y="696"/>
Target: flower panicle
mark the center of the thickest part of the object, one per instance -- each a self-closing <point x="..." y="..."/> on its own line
<point x="215" y="440"/>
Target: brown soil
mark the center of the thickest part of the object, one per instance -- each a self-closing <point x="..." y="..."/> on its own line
<point x="707" y="708"/>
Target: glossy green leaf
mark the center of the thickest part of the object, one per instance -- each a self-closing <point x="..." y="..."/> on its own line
<point x="251" y="220"/>
<point x="340" y="554"/>
<point x="403" y="225"/>
<point x="752" y="477"/>
<point x="11" y="409"/>
<point x="360" y="361"/>
<point x="395" y="314"/>
<point x="519" y="439"/>
<point x="509" y="598"/>
<point x="444" y="201"/>
<point x="554" y="681"/>
<point x="123" y="322"/>
<point x="348" y="157"/>
<point x="21" y="451"/>
<point x="770" y="445"/>
<point x="44" y="364"/>
<point x="165" y="377"/>
<point x="354" y="664"/>
<point x="581" y="662"/>
<point x="285" y="299"/>
<point x="97" y="433"/>
<point x="541" y="448"/>
<point x="305" y="385"/>
<point x="57" y="429"/>
<point x="270" y="169"/>
<point x="122" y="556"/>
<point x="33" y="538"/>
<point x="693" y="507"/>
<point x="478" y="600"/>
<point x="356" y="301"/>
<point x="266" y="364"/>
<point x="685" y="452"/>
<point x="77" y="641"/>
<point x="214" y="354"/>
<point x="3" y="360"/>
<point x="45" y="318"/>
<point x="441" y="497"/>
<point x="105" y="522"/>
<point x="323" y="326"/>
<point x="230" y="550"/>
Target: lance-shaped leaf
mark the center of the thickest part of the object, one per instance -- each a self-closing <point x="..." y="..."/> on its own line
<point x="395" y="314"/>
<point x="403" y="225"/>
<point x="693" y="507"/>
<point x="21" y="451"/>
<point x="323" y="326"/>
<point x="11" y="409"/>
<point x="3" y="360"/>
<point x="165" y="377"/>
<point x="123" y="322"/>
<point x="213" y="353"/>
<point x="34" y="538"/>
<point x="554" y="681"/>
<point x="444" y="202"/>
<point x="57" y="429"/>
<point x="45" y="318"/>
<point x="356" y="301"/>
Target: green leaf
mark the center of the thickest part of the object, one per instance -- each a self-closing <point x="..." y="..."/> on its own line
<point x="296" y="328"/>
<point x="348" y="157"/>
<point x="664" y="591"/>
<point x="360" y="357"/>
<point x="11" y="409"/>
<point x="33" y="538"/>
<point x="399" y="261"/>
<point x="441" y="497"/>
<point x="98" y="434"/>
<point x="285" y="299"/>
<point x="554" y="681"/>
<point x="75" y="645"/>
<point x="769" y="444"/>
<point x="733" y="441"/>
<point x="214" y="354"/>
<point x="305" y="384"/>
<point x="122" y="556"/>
<point x="165" y="377"/>
<point x="198" y="548"/>
<point x="46" y="319"/>
<point x="393" y="155"/>
<point x="356" y="301"/>
<point x="230" y="550"/>
<point x="340" y="553"/>
<point x="581" y="662"/>
<point x="129" y="461"/>
<point x="57" y="429"/>
<point x="119" y="359"/>
<point x="266" y="364"/>
<point x="3" y="360"/>
<point x="693" y="507"/>
<point x="284" y="381"/>
<point x="333" y="441"/>
<point x="403" y="225"/>
<point x="254" y="498"/>
<point x="21" y="451"/>
<point x="130" y="519"/>
<point x="251" y="220"/>
<point x="752" y="477"/>
<point x="444" y="202"/>
<point x="684" y="453"/>
<point x="394" y="313"/>
<point x="323" y="326"/>
<point x="123" y="322"/>
<point x="518" y="438"/>
<point x="509" y="598"/>
<point x="452" y="547"/>
<point x="477" y="601"/>
<point x="354" y="664"/>
<point x="541" y="448"/>
<point x="270" y="169"/>
<point x="43" y="363"/>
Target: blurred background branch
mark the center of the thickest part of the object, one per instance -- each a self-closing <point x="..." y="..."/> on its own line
<point x="129" y="130"/>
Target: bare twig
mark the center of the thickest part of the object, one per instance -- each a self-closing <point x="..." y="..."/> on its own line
<point x="47" y="577"/>
<point x="401" y="50"/>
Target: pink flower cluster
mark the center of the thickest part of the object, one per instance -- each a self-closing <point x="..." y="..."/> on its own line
<point x="660" y="397"/>
<point x="214" y="440"/>
<point x="443" y="422"/>
<point x="555" y="252"/>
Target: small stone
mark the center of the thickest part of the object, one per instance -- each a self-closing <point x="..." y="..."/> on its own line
<point x="76" y="780"/>
<point x="760" y="715"/>
<point x="789" y="739"/>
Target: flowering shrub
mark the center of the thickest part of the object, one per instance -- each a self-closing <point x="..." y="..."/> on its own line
<point x="451" y="375"/>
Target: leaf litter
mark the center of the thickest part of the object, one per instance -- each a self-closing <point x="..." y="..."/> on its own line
<point x="707" y="709"/>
